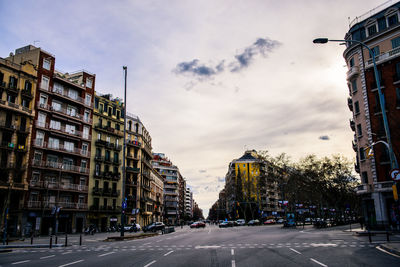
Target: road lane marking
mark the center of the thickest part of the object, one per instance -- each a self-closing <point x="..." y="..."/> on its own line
<point x="166" y="254"/>
<point x="323" y="245"/>
<point x="387" y="252"/>
<point x="20" y="262"/>
<point x="295" y="251"/>
<point x="317" y="262"/>
<point x="232" y="252"/>
<point x="150" y="263"/>
<point x="105" y="254"/>
<point x="233" y="263"/>
<point x="65" y="253"/>
<point x="215" y="246"/>
<point x="46" y="257"/>
<point x="67" y="264"/>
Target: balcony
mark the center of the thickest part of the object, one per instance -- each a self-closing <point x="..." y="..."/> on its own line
<point x="26" y="93"/>
<point x="133" y="143"/>
<point x="99" y="158"/>
<point x="63" y="130"/>
<point x="116" y="162"/>
<point x="61" y="186"/>
<point x="352" y="125"/>
<point x="18" y="108"/>
<point x="132" y="156"/>
<point x="116" y="176"/>
<point x="66" y="95"/>
<point x="7" y="125"/>
<point x="64" y="112"/>
<point x="115" y="193"/>
<point x="146" y="187"/>
<point x="108" y="129"/>
<point x="97" y="191"/>
<point x="132" y="169"/>
<point x="353" y="71"/>
<point x="362" y="189"/>
<point x="63" y="205"/>
<point x="354" y="144"/>
<point x="350" y="103"/>
<point x="384" y="186"/>
<point x="12" y="88"/>
<point x="106" y="192"/>
<point x="60" y="148"/>
<point x="383" y="57"/>
<point x="60" y="167"/>
<point x="373" y="86"/>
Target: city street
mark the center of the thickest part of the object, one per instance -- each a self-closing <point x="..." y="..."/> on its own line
<point x="212" y="246"/>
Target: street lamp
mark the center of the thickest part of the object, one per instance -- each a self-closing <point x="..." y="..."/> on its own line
<point x="392" y="156"/>
<point x="123" y="207"/>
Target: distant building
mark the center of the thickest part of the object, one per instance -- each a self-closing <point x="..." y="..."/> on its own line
<point x="380" y="30"/>
<point x="17" y="94"/>
<point x="188" y="203"/>
<point x="157" y="196"/>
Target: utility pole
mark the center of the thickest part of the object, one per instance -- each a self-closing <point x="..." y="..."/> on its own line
<point x="125" y="69"/>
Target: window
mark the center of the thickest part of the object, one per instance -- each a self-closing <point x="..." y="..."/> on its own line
<point x="58" y="88"/>
<point x="47" y="63"/>
<point x="56" y="105"/>
<point x="101" y="109"/>
<point x="73" y="94"/>
<point x="107" y="157"/>
<point x="68" y="163"/>
<point x="41" y="119"/>
<point x="398" y="97"/>
<point x="89" y="82"/>
<point x="13" y="82"/>
<point x="70" y="129"/>
<point x="83" y="165"/>
<point x="395" y="42"/>
<point x="71" y="111"/>
<point x="109" y="111"/>
<point x="86" y="116"/>
<point x="55" y="125"/>
<point x="11" y="98"/>
<point x="88" y="100"/>
<point x="54" y="143"/>
<point x="381" y="24"/>
<point x="28" y="86"/>
<point x="117" y="126"/>
<point x="37" y="156"/>
<point x="357" y="107"/>
<point x="359" y="130"/>
<point x="108" y="139"/>
<point x="85" y="148"/>
<point x="25" y="102"/>
<point x="375" y="50"/>
<point x="364" y="177"/>
<point x="371" y="30"/>
<point x="354" y="85"/>
<point x="97" y="170"/>
<point x="118" y="114"/>
<point x="39" y="138"/>
<point x="96" y="103"/>
<point x="362" y="153"/>
<point x="392" y="20"/>
<point x="351" y="62"/>
<point x="85" y="132"/>
<point x="43" y="100"/>
<point x="44" y="84"/>
<point x="99" y="136"/>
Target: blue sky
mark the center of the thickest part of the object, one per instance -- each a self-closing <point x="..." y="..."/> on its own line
<point x="208" y="79"/>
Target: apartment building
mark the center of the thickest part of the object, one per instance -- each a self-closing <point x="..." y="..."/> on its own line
<point x="17" y="91"/>
<point x="58" y="174"/>
<point x="170" y="174"/>
<point x="188" y="203"/>
<point x="182" y="197"/>
<point x="157" y="195"/>
<point x="379" y="29"/>
<point x="105" y="183"/>
<point x="138" y="172"/>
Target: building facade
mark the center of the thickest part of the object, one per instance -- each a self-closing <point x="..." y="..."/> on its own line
<point x="188" y="204"/>
<point x="170" y="174"/>
<point x="157" y="195"/>
<point x="380" y="30"/>
<point x="17" y="91"/>
<point x="58" y="174"/>
<point x="105" y="183"/>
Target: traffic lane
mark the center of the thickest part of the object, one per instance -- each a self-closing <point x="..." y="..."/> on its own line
<point x="348" y="255"/>
<point x="195" y="257"/>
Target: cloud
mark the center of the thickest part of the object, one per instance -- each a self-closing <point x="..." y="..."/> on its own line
<point x="202" y="71"/>
<point x="202" y="171"/>
<point x="324" y="137"/>
<point x="221" y="179"/>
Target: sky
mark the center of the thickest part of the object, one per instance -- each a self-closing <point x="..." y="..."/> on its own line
<point x="209" y="79"/>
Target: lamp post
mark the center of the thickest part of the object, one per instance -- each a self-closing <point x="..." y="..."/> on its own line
<point x="125" y="68"/>
<point x="392" y="156"/>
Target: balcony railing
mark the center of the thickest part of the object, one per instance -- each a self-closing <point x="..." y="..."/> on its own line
<point x="64" y="111"/>
<point x="62" y="148"/>
<point x="63" y="130"/>
<point x="133" y="143"/>
<point x="355" y="70"/>
<point x="384" y="57"/>
<point x="60" y="166"/>
<point x="18" y="107"/>
<point x="63" y="205"/>
<point x="7" y="125"/>
<point x="352" y="125"/>
<point x="132" y="169"/>
<point x="109" y="129"/>
<point x="350" y="103"/>
<point x="55" y="185"/>
<point x="65" y="94"/>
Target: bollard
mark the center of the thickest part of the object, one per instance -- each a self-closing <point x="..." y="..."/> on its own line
<point x="51" y="242"/>
<point x="66" y="239"/>
<point x="31" y="239"/>
<point x="56" y="240"/>
<point x="80" y="240"/>
<point x="369" y="236"/>
<point x="387" y="236"/>
<point x="7" y="239"/>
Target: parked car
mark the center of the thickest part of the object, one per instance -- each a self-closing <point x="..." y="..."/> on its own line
<point x="154" y="227"/>
<point x="198" y="225"/>
<point x="253" y="222"/>
<point x="270" y="221"/>
<point x="280" y="221"/>
<point x="240" y="222"/>
<point x="226" y="224"/>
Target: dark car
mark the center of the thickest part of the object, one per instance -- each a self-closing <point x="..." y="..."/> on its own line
<point x="226" y="224"/>
<point x="154" y="227"/>
<point x="253" y="222"/>
<point x="198" y="225"/>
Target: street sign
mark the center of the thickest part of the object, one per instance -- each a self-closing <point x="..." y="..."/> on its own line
<point x="124" y="205"/>
<point x="395" y="174"/>
<point x="369" y="152"/>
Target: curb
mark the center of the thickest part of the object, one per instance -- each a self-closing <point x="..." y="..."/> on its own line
<point x="5" y="250"/>
<point x="389" y="249"/>
<point x="31" y="246"/>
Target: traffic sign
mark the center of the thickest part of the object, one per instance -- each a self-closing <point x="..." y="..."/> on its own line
<point x="124" y="205"/>
<point x="395" y="174"/>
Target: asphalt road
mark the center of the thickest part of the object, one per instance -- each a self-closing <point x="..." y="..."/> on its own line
<point x="238" y="246"/>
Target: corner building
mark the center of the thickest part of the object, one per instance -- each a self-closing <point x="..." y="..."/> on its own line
<point x="58" y="174"/>
<point x="17" y="91"/>
<point x="380" y="30"/>
<point x="105" y="181"/>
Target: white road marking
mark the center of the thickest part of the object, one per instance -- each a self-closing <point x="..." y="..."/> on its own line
<point x="295" y="251"/>
<point x="387" y="252"/>
<point x="105" y="254"/>
<point x="166" y="254"/>
<point x="323" y="245"/>
<point x="232" y="252"/>
<point x="19" y="262"/>
<point x="233" y="263"/>
<point x="70" y="263"/>
<point x="317" y="262"/>
<point x="150" y="263"/>
<point x="46" y="257"/>
<point x="65" y="253"/>
<point x="197" y="247"/>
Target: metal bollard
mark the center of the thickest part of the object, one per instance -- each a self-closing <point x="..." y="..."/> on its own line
<point x="66" y="239"/>
<point x="56" y="240"/>
<point x="31" y="239"/>
<point x="80" y="240"/>
<point x="369" y="236"/>
<point x="387" y="236"/>
<point x="51" y="242"/>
